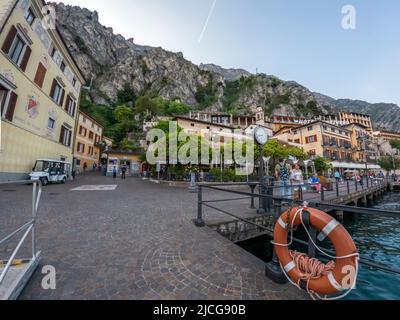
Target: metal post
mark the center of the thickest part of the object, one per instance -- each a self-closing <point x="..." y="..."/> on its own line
<point x="322" y="193"/>
<point x="348" y="187"/>
<point x="273" y="269"/>
<point x="34" y="195"/>
<point x="253" y="188"/>
<point x="337" y="189"/>
<point x="301" y="193"/>
<point x="356" y="185"/>
<point x="261" y="209"/>
<point x="200" y="221"/>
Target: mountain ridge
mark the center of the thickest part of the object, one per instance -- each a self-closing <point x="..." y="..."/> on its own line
<point x="114" y="62"/>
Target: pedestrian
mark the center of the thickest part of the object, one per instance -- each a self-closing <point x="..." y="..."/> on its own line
<point x="282" y="175"/>
<point x="94" y="167"/>
<point x="338" y="176"/>
<point x="123" y="171"/>
<point x="84" y="167"/>
<point x="296" y="177"/>
<point x="114" y="172"/>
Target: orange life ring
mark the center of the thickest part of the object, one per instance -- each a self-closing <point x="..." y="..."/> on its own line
<point x="330" y="283"/>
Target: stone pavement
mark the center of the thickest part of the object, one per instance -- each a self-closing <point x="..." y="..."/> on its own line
<point x="136" y="242"/>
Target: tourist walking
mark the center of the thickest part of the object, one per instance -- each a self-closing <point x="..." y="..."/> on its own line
<point x="114" y="173"/>
<point x="282" y="175"/>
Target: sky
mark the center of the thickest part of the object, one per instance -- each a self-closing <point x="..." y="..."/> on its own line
<point x="300" y="40"/>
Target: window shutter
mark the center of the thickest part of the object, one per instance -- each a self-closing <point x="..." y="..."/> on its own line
<point x="69" y="138"/>
<point x="26" y="57"/>
<point x="73" y="110"/>
<point x="11" y="106"/>
<point x="40" y="75"/>
<point x="315" y="138"/>
<point x="62" y="134"/>
<point x="307" y="140"/>
<point x="62" y="97"/>
<point x="67" y="103"/>
<point x="9" y="40"/>
<point x="53" y="87"/>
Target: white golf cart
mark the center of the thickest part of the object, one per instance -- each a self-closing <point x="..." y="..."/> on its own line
<point x="51" y="171"/>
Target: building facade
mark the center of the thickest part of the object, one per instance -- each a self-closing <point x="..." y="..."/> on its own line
<point x="40" y="86"/>
<point x="89" y="135"/>
<point x="364" y="144"/>
<point x="346" y="118"/>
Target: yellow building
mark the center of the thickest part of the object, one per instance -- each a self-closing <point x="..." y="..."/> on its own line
<point x="387" y="135"/>
<point x="89" y="135"/>
<point x="346" y="118"/>
<point x="334" y="143"/>
<point x="364" y="145"/>
<point x="40" y="86"/>
<point x="322" y="139"/>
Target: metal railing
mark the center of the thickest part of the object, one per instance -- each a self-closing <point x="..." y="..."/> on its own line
<point x="26" y="229"/>
<point x="280" y="204"/>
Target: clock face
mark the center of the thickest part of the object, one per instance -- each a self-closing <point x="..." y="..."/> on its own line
<point x="261" y="135"/>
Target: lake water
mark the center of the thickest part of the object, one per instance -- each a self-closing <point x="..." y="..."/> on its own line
<point x="377" y="239"/>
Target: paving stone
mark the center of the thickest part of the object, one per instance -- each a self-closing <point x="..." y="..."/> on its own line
<point x="135" y="242"/>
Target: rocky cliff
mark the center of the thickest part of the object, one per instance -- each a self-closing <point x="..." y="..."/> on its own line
<point x="114" y="62"/>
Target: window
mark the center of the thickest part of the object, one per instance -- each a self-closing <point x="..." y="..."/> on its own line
<point x="53" y="52"/>
<point x="8" y="101"/>
<point x="82" y="131"/>
<point x="3" y="98"/>
<point x="16" y="49"/>
<point x="74" y="82"/>
<point x="310" y="128"/>
<point x="51" y="123"/>
<point x="91" y="135"/>
<point x="311" y="139"/>
<point x="65" y="136"/>
<point x="62" y="66"/>
<point x="80" y="148"/>
<point x="70" y="106"/>
<point x="29" y="16"/>
<point x="57" y="93"/>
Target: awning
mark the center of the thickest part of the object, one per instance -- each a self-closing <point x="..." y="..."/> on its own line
<point x="349" y="165"/>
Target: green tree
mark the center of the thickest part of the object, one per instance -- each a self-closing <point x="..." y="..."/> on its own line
<point x="321" y="165"/>
<point x="395" y="144"/>
<point x="127" y="94"/>
<point x="176" y="107"/>
<point x="153" y="105"/>
<point x="389" y="163"/>
<point x="123" y="113"/>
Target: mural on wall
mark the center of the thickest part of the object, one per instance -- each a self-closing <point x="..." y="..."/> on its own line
<point x="32" y="107"/>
